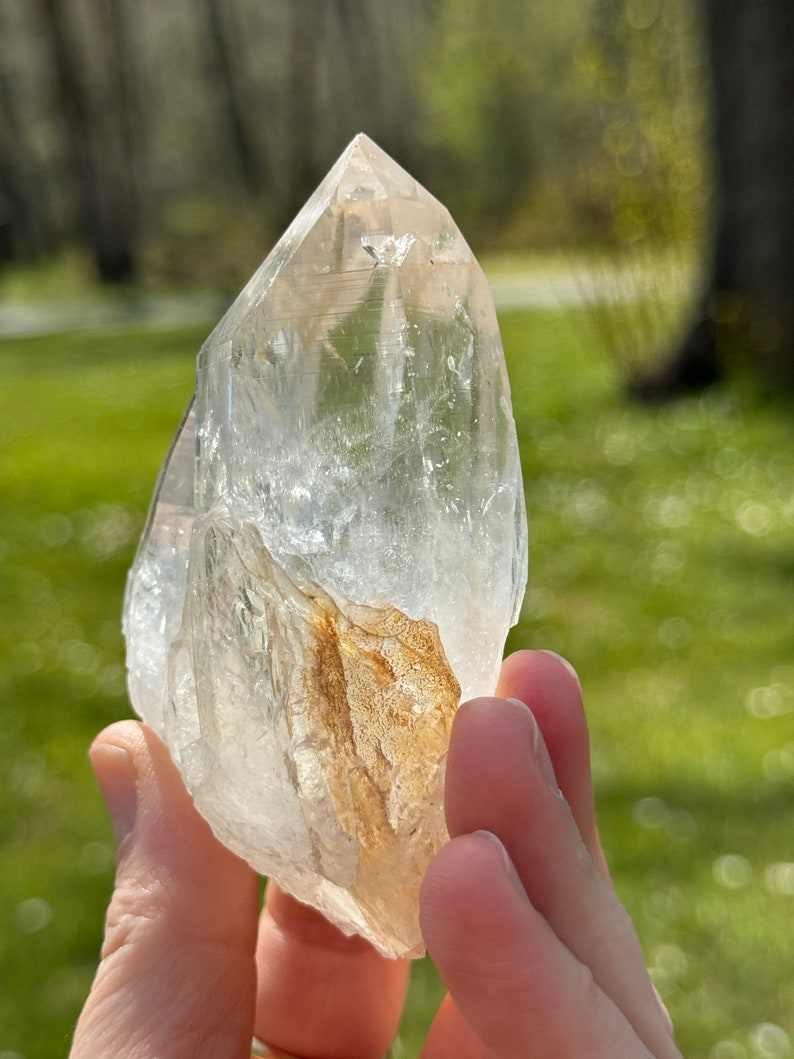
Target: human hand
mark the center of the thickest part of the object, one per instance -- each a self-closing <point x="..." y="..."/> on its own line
<point x="540" y="958"/>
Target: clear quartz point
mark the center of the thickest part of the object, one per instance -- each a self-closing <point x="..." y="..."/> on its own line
<point x="336" y="549"/>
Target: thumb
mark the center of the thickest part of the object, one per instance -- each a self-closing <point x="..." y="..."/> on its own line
<point x="177" y="976"/>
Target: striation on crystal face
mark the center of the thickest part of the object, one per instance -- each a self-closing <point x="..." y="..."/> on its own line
<point x="336" y="549"/>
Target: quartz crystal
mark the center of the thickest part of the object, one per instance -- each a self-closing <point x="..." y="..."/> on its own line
<point x="336" y="549"/>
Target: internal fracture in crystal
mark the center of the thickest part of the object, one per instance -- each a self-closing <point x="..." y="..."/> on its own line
<point x="336" y="549"/>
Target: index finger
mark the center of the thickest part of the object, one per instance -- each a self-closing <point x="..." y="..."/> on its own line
<point x="550" y="687"/>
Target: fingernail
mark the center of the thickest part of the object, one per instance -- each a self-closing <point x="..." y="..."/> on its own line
<point x="510" y="868"/>
<point x="565" y="662"/>
<point x="117" y="778"/>
<point x="541" y="753"/>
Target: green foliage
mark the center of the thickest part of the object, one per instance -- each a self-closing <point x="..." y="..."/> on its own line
<point x="661" y="565"/>
<point x="571" y="123"/>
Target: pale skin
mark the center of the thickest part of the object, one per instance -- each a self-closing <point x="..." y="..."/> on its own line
<point x="540" y="959"/>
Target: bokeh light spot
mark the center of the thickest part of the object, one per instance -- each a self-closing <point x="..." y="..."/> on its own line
<point x="770" y="1041"/>
<point x="732" y="871"/>
<point x="32" y="915"/>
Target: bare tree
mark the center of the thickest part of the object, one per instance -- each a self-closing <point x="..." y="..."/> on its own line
<point x="23" y="220"/>
<point x="226" y="77"/>
<point x="304" y="36"/>
<point x="97" y="125"/>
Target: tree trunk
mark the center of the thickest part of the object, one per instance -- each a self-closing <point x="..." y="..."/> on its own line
<point x="745" y="323"/>
<point x="24" y="219"/>
<point x="303" y="31"/>
<point x="226" y="77"/>
<point x="103" y="181"/>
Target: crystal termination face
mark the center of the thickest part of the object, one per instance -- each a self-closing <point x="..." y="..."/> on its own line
<point x="336" y="549"/>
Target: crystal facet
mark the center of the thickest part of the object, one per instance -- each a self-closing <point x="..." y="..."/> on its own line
<point x="336" y="549"/>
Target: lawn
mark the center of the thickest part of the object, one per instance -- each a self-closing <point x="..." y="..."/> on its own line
<point x="662" y="565"/>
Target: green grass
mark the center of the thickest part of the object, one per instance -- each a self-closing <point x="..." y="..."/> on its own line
<point x="662" y="566"/>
